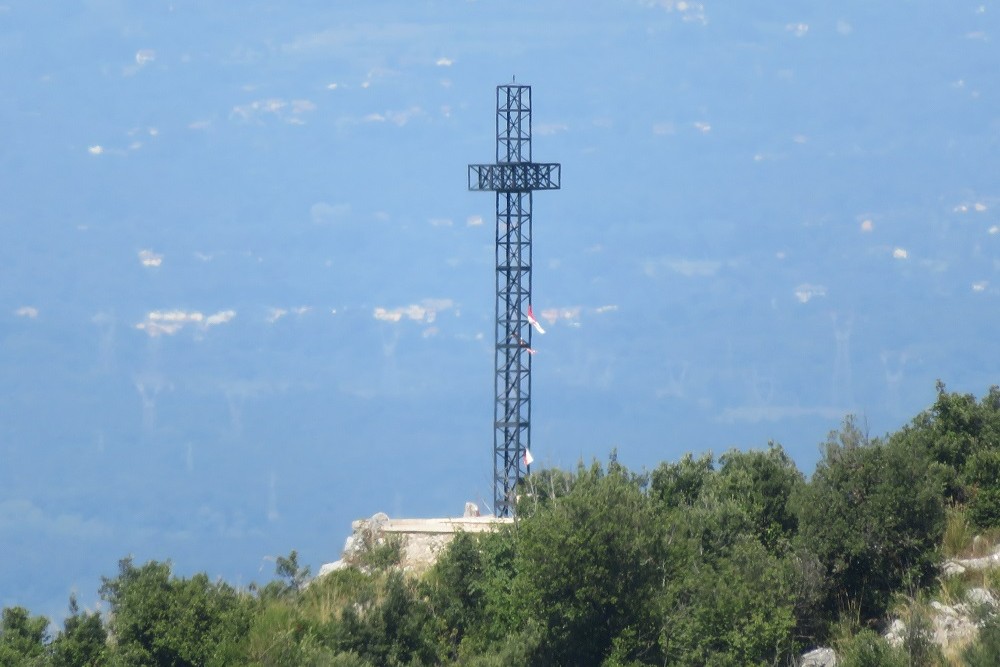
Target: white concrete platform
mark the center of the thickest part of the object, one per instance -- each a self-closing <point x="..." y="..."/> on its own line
<point x="471" y="524"/>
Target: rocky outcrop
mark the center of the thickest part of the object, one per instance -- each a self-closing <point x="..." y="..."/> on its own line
<point x="955" y="566"/>
<point x="951" y="625"/>
<point x="820" y="657"/>
<point x="420" y="540"/>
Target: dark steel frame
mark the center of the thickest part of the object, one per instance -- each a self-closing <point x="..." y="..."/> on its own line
<point x="513" y="177"/>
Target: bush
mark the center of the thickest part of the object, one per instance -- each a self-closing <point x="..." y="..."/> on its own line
<point x="735" y="608"/>
<point x="83" y="640"/>
<point x="22" y="638"/>
<point x="159" y="619"/>
<point x="762" y="483"/>
<point x="868" y="649"/>
<point x="957" y="533"/>
<point x="985" y="651"/>
<point x="587" y="568"/>
<point x="681" y="483"/>
<point x="982" y="477"/>
<point x="874" y="515"/>
<point x="396" y="630"/>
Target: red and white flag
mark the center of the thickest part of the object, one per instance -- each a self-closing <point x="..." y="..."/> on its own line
<point x="533" y="322"/>
<point x="528" y="458"/>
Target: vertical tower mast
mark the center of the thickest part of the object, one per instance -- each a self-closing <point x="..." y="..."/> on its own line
<point x="513" y="177"/>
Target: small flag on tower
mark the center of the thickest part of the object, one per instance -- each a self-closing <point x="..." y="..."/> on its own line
<point x="528" y="458"/>
<point x="533" y="322"/>
<point x="523" y="343"/>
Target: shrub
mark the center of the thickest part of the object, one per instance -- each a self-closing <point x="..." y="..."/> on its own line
<point x="868" y="649"/>
<point x="873" y="515"/>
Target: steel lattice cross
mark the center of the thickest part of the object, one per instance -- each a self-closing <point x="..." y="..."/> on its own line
<point x="513" y="177"/>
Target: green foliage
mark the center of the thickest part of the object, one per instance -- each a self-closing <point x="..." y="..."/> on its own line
<point x="985" y="651"/>
<point x="22" y="638"/>
<point x="958" y="425"/>
<point x="82" y="641"/>
<point x="454" y="590"/>
<point x="292" y="578"/>
<point x="962" y="437"/>
<point x="762" y="484"/>
<point x="981" y="475"/>
<point x="346" y="660"/>
<point x="681" y="483"/>
<point x="918" y="646"/>
<point x="984" y="508"/>
<point x="735" y="608"/>
<point x="324" y="599"/>
<point x="385" y="553"/>
<point x="952" y="590"/>
<point x="739" y="561"/>
<point x="873" y="515"/>
<point x="162" y="620"/>
<point x="958" y="535"/>
<point x="543" y="486"/>
<point x="394" y="631"/>
<point x="587" y="569"/>
<point x="733" y="586"/>
<point x="288" y="568"/>
<point x="868" y="649"/>
<point x="519" y="648"/>
<point x="499" y="615"/>
<point x="377" y="550"/>
<point x="282" y="635"/>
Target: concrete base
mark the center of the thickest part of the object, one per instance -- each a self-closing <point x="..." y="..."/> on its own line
<point x="422" y="539"/>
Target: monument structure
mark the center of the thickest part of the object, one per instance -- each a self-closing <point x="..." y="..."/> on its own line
<point x="513" y="177"/>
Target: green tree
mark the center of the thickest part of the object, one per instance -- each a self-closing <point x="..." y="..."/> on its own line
<point x="283" y="634"/>
<point x="544" y="486"/>
<point x="161" y="620"/>
<point x="292" y="577"/>
<point x="395" y="631"/>
<point x="681" y="483"/>
<point x="82" y="641"/>
<point x="495" y="617"/>
<point x="982" y="478"/>
<point x="22" y="638"/>
<point x="954" y="433"/>
<point x="727" y="599"/>
<point x="873" y="513"/>
<point x="453" y="588"/>
<point x="762" y="483"/>
<point x="587" y="570"/>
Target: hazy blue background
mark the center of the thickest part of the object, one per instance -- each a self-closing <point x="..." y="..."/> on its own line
<point x="245" y="297"/>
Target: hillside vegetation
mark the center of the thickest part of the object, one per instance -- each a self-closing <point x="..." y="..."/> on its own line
<point x="736" y="560"/>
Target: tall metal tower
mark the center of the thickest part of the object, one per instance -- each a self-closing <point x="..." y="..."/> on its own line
<point x="513" y="177"/>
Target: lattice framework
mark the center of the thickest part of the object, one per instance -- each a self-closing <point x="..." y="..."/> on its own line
<point x="513" y="178"/>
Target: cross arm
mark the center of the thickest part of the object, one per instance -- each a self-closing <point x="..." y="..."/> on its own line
<point x="514" y="176"/>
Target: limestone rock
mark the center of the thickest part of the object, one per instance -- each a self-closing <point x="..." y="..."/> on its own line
<point x="820" y="657"/>
<point x="366" y="534"/>
<point x="952" y="624"/>
<point x="896" y="632"/>
<point x="980" y="597"/>
<point x="327" y="568"/>
<point x="984" y="563"/>
<point x="952" y="568"/>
